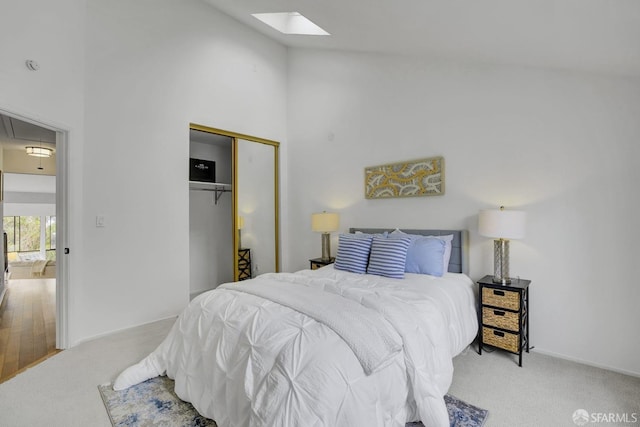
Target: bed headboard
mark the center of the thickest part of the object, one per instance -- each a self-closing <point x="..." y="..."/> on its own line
<point x="459" y="246"/>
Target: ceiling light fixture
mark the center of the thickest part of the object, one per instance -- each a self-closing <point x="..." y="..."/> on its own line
<point x="291" y="23"/>
<point x="39" y="151"/>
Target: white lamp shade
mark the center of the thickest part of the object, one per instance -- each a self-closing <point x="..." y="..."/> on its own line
<point x="325" y="222"/>
<point x="502" y="224"/>
<point x="240" y="222"/>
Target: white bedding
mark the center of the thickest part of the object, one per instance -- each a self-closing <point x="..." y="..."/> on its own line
<point x="244" y="360"/>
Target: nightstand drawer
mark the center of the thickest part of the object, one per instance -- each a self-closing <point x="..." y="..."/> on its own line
<point x="500" y="318"/>
<point x="317" y="263"/>
<point x="501" y="339"/>
<point x="501" y="298"/>
<point x="244" y="264"/>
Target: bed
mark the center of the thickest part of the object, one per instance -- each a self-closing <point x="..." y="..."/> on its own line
<point x="33" y="269"/>
<point x="326" y="347"/>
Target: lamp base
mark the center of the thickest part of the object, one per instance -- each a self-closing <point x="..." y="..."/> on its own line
<point x="326" y="247"/>
<point x="501" y="261"/>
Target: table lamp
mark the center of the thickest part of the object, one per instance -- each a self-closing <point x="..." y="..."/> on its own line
<point x="325" y="223"/>
<point x="502" y="225"/>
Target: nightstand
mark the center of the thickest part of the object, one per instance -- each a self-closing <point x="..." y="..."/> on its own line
<point x="244" y="264"/>
<point x="504" y="315"/>
<point x="317" y="263"/>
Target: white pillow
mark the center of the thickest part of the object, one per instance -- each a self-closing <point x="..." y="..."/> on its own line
<point x="447" y="250"/>
<point x="29" y="256"/>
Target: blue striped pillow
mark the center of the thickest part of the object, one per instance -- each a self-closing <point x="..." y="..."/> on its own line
<point x="353" y="253"/>
<point x="388" y="257"/>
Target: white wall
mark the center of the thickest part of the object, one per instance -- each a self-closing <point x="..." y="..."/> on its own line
<point x="29" y="209"/>
<point x="153" y="67"/>
<point x="52" y="33"/>
<point x="211" y="224"/>
<point x="29" y="194"/>
<point x="561" y="146"/>
<point x="2" y="266"/>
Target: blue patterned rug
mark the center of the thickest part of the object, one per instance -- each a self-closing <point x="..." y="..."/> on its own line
<point x="153" y="403"/>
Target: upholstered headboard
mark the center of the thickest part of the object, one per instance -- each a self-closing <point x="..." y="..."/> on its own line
<point x="459" y="246"/>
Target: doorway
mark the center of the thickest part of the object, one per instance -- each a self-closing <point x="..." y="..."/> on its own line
<point x="33" y="206"/>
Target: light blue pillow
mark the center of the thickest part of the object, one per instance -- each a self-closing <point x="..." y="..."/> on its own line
<point x="353" y="253"/>
<point x="425" y="257"/>
<point x="388" y="257"/>
<point x="448" y="238"/>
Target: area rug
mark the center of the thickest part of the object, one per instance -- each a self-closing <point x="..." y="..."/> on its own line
<point x="153" y="403"/>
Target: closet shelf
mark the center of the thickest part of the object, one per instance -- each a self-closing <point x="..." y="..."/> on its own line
<point x="217" y="187"/>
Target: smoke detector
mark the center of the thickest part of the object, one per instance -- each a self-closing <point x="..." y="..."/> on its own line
<point x="32" y="65"/>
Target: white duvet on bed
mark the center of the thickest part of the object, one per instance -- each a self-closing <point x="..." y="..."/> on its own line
<point x="244" y="360"/>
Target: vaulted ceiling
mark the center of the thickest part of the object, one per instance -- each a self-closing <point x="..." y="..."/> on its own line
<point x="600" y="36"/>
<point x="589" y="35"/>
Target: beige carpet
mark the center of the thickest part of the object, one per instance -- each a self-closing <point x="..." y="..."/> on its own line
<point x="546" y="391"/>
<point x="62" y="391"/>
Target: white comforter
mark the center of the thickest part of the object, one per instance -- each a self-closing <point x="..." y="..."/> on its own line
<point x="244" y="360"/>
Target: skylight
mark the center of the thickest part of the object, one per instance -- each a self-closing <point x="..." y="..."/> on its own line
<point x="291" y="23"/>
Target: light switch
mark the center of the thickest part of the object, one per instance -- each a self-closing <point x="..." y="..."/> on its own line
<point x="99" y="221"/>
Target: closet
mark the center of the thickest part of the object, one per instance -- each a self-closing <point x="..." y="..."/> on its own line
<point x="210" y="213"/>
<point x="233" y="207"/>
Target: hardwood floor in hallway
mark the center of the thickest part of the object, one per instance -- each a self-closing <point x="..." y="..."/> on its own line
<point x="27" y="325"/>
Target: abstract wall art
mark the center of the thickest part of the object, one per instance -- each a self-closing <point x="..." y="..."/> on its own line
<point x="423" y="177"/>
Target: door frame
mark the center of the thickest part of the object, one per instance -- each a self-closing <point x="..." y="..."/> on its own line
<point x="62" y="224"/>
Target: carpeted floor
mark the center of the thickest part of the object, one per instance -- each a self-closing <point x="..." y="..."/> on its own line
<point x="154" y="403"/>
<point x="546" y="391"/>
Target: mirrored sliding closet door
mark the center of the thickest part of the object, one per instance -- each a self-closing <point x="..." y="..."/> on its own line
<point x="234" y="230"/>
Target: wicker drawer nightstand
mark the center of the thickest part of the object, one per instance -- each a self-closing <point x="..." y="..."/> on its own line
<point x="244" y="264"/>
<point x="504" y="315"/>
<point x="317" y="263"/>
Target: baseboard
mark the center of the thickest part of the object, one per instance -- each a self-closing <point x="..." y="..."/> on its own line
<point x="105" y="334"/>
<point x="586" y="362"/>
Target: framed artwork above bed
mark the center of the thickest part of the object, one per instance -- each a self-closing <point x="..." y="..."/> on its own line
<point x="422" y="177"/>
